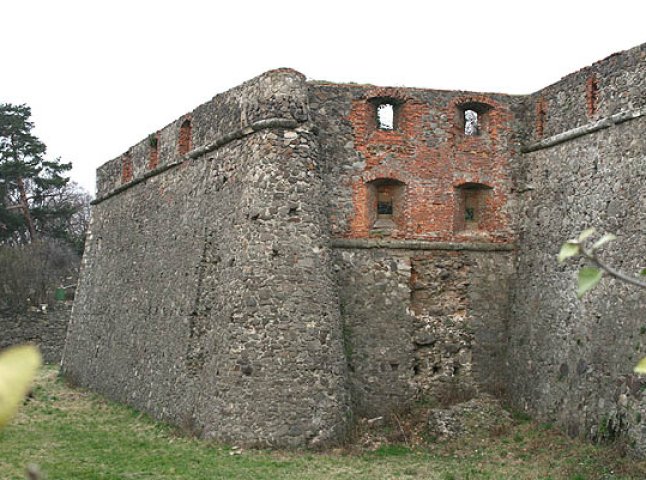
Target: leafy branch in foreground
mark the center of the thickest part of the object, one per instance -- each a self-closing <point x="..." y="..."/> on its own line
<point x="18" y="367"/>
<point x="589" y="276"/>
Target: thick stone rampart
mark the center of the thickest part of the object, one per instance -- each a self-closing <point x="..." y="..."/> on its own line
<point x="571" y="360"/>
<point x="206" y="297"/>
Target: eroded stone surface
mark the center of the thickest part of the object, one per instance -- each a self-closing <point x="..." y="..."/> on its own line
<point x="476" y="417"/>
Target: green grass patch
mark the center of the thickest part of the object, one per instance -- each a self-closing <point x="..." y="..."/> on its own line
<point x="394" y="450"/>
<point x="73" y="434"/>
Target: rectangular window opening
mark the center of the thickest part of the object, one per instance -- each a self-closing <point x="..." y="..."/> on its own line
<point x="384" y="203"/>
<point x="471" y="122"/>
<point x="385" y="207"/>
<point x="385" y="197"/>
<point x="386" y="116"/>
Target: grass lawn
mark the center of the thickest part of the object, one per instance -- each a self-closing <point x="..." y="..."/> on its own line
<point x="73" y="434"/>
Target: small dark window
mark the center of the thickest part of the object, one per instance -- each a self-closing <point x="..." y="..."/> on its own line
<point x="471" y="122"/>
<point x="471" y="206"/>
<point x="386" y="116"/>
<point x="385" y="201"/>
<point x="384" y="205"/>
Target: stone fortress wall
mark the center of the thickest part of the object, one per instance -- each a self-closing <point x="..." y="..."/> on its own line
<point x="279" y="260"/>
<point x="423" y="310"/>
<point x="583" y="164"/>
<point x="207" y="296"/>
<point x="47" y="329"/>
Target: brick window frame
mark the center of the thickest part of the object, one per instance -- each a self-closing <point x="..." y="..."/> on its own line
<point x="386" y="204"/>
<point x="472" y="209"/>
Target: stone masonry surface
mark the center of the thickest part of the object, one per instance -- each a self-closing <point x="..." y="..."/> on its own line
<point x="46" y="329"/>
<point x="280" y="261"/>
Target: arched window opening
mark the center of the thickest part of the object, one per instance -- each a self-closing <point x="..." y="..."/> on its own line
<point x="472" y="211"/>
<point x="385" y="116"/>
<point x="470" y="122"/>
<point x="185" y="134"/>
<point x="386" y="112"/>
<point x="386" y="204"/>
<point x="473" y="118"/>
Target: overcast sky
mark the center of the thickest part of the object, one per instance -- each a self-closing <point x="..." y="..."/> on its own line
<point x="101" y="75"/>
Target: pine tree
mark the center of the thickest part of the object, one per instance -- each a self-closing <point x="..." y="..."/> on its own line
<point x="26" y="177"/>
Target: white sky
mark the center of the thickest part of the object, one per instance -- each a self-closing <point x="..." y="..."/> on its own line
<point x="101" y="75"/>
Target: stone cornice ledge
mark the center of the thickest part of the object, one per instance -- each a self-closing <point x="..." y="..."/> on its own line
<point x="367" y="243"/>
<point x="606" y="122"/>
<point x="243" y="132"/>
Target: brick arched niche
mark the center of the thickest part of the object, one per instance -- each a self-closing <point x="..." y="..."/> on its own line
<point x="386" y="205"/>
<point x="153" y="155"/>
<point x="473" y="118"/>
<point x="185" y="140"/>
<point x="473" y="207"/>
<point x="126" y="167"/>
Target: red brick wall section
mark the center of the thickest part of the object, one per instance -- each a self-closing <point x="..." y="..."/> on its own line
<point x="591" y="95"/>
<point x="431" y="174"/>
<point x="153" y="159"/>
<point x="185" y="137"/>
<point x="126" y="167"/>
<point x="541" y="110"/>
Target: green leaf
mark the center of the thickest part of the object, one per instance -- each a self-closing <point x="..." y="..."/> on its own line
<point x="569" y="249"/>
<point x="641" y="366"/>
<point x="18" y="366"/>
<point x="588" y="278"/>
<point x="643" y="272"/>
<point x="608" y="237"/>
<point x="585" y="234"/>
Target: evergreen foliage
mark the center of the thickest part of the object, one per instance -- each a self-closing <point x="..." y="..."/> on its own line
<point x="28" y="181"/>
